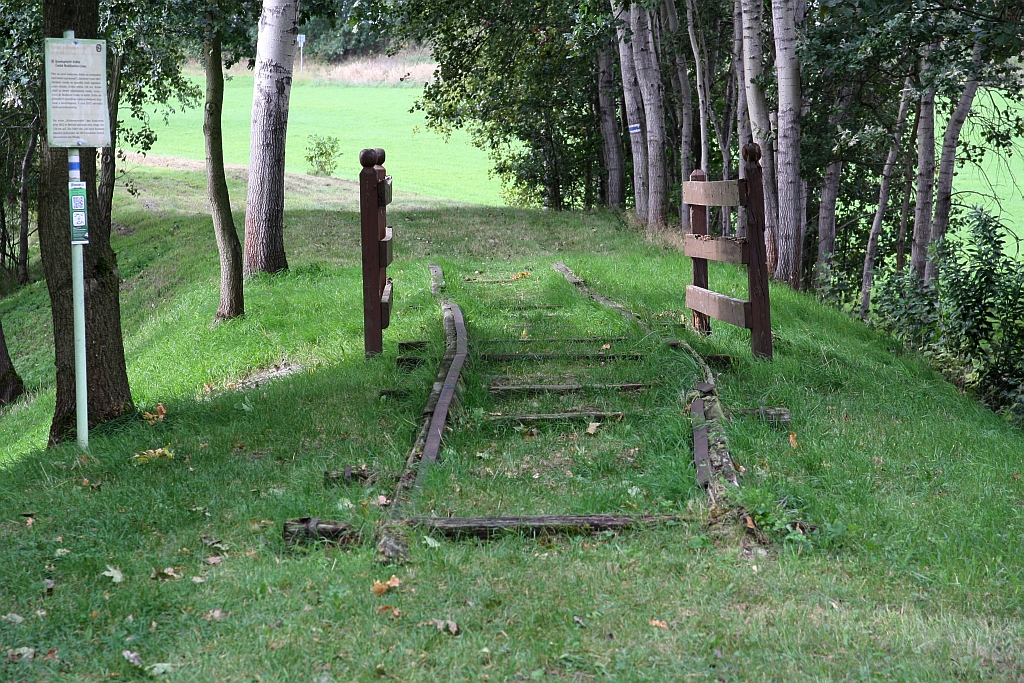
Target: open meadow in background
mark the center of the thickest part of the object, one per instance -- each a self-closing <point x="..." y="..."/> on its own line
<point x="914" y="573"/>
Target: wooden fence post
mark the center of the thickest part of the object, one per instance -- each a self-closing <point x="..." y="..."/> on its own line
<point x="374" y="196"/>
<point x="699" y="226"/>
<point x="757" y="270"/>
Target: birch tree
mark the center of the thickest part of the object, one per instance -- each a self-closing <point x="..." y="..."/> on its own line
<point x="648" y="73"/>
<point x="867" y="274"/>
<point x="925" y="180"/>
<point x="760" y="126"/>
<point x="272" y="83"/>
<point x="634" y="105"/>
<point x="615" y="192"/>
<point x="787" y="65"/>
<point x="685" y="116"/>
<point x="947" y="162"/>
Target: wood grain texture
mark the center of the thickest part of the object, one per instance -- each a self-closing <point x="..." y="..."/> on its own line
<point x="718" y="306"/>
<point x="715" y="193"/>
<point x="722" y="249"/>
<point x="487" y="526"/>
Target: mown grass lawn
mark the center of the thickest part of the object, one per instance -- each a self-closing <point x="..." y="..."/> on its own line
<point x="915" y="574"/>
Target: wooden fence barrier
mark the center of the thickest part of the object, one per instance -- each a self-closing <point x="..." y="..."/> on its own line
<point x="374" y="197"/>
<point x="754" y="314"/>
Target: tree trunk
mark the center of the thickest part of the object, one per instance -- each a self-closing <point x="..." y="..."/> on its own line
<point x="232" y="300"/>
<point x="107" y="379"/>
<point x="11" y="386"/>
<point x="925" y="182"/>
<point x="633" y="100"/>
<point x="264" y="215"/>
<point x="611" y="138"/>
<point x="742" y="115"/>
<point x="26" y="170"/>
<point x="105" y="192"/>
<point x="760" y="126"/>
<point x="947" y="162"/>
<point x="867" y="275"/>
<point x="648" y="73"/>
<point x="787" y="65"/>
<point x="908" y="188"/>
<point x="685" y="114"/>
<point x="827" y="216"/>
<point x="703" y="99"/>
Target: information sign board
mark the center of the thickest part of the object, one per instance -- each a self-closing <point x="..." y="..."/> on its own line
<point x="76" y="93"/>
<point x="79" y="218"/>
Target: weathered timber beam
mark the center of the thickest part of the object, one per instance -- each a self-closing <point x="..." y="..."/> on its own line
<point x="724" y="249"/>
<point x="719" y="306"/>
<point x="312" y="529"/>
<point x="715" y="193"/>
<point x="566" y="356"/>
<point x="547" y="417"/>
<point x="562" y="388"/>
<point x="487" y="526"/>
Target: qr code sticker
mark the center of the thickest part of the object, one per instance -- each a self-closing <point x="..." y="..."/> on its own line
<point x="78" y="203"/>
<point x="78" y="219"/>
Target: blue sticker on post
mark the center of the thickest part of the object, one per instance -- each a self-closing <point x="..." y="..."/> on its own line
<point x="79" y="217"/>
<point x="635" y="128"/>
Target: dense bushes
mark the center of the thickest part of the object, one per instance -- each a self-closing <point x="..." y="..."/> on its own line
<point x="972" y="324"/>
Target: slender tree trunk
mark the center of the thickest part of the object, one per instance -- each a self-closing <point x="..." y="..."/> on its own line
<point x="867" y="274"/>
<point x="742" y="115"/>
<point x="908" y="188"/>
<point x="634" y="108"/>
<point x="611" y="138"/>
<point x="827" y="217"/>
<point x="264" y="215"/>
<point x="685" y="114"/>
<point x="232" y="300"/>
<point x="11" y="386"/>
<point x="109" y="394"/>
<point x="26" y="170"/>
<point x="947" y="162"/>
<point x="703" y="103"/>
<point x="649" y="76"/>
<point x="760" y="125"/>
<point x="925" y="182"/>
<point x="787" y="67"/>
<point x="105" y="192"/>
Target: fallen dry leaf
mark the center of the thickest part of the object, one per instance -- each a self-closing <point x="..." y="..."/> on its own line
<point x="443" y="625"/>
<point x="61" y="552"/>
<point x="215" y="559"/>
<point x="214" y="615"/>
<point x="13" y="618"/>
<point x="658" y="623"/>
<point x="18" y="653"/>
<point x="379" y="588"/>
<point x="792" y="439"/>
<point x="749" y="522"/>
<point x="593" y="427"/>
<point x="51" y="656"/>
<point x="166" y="574"/>
<point x="393" y="611"/>
<point x="152" y="454"/>
<point x="114" y="573"/>
<point x="382" y="501"/>
<point x="133" y="658"/>
<point x="522" y="276"/>
<point x="530" y="433"/>
<point x="198" y="579"/>
<point x="1016" y="476"/>
<point x="605" y="347"/>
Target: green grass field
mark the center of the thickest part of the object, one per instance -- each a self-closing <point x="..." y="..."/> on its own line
<point x="915" y="572"/>
<point x="421" y="161"/>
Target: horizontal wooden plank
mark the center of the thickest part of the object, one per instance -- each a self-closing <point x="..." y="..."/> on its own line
<point x="549" y="417"/>
<point x="723" y="249"/>
<point x="561" y="388"/>
<point x="386" y="253"/>
<point x="715" y="193"/>
<point x="486" y="526"/>
<point x="719" y="306"/>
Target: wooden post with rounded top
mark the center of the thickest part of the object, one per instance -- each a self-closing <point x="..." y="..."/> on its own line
<point x="699" y="226"/>
<point x="374" y="194"/>
<point x="760" y="321"/>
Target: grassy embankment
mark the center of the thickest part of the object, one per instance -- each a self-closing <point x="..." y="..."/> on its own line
<point x="916" y="574"/>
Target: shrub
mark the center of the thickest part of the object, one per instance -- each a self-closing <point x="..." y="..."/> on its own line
<point x="972" y="324"/>
<point x="322" y="154"/>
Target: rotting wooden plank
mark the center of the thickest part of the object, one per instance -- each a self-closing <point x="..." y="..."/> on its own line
<point x="349" y="475"/>
<point x="409" y="362"/>
<point x="550" y="417"/>
<point x="701" y="458"/>
<point x="571" y="340"/>
<point x="557" y="356"/>
<point x="719" y="306"/>
<point x="775" y="416"/>
<point x="562" y="388"/>
<point x="312" y="529"/>
<point x="483" y="527"/>
<point x="715" y="193"/>
<point x="723" y="249"/>
<point x="407" y="346"/>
